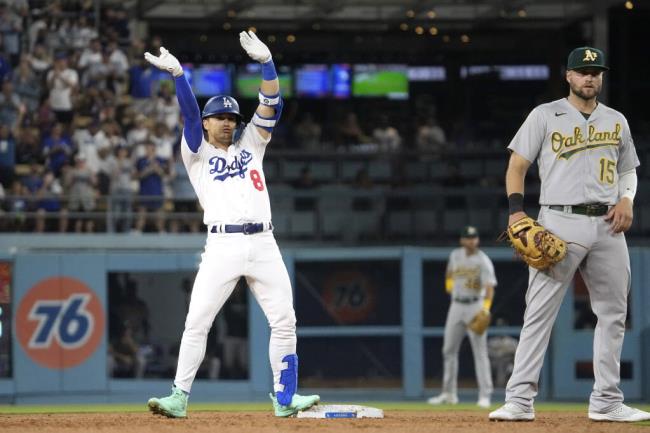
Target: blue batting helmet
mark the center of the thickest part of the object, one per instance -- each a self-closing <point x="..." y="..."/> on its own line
<point x="221" y="104"/>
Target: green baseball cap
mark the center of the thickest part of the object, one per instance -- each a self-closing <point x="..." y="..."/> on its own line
<point x="469" y="232"/>
<point x="586" y="57"/>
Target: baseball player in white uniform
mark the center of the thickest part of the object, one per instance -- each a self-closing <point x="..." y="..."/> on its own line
<point x="223" y="157"/>
<point x="587" y="167"/>
<point x="470" y="281"/>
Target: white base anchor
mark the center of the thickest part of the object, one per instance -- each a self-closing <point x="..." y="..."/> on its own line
<point x="341" y="411"/>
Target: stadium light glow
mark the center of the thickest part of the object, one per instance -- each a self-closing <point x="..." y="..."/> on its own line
<point x="629" y="5"/>
<point x="433" y="31"/>
<point x="419" y="30"/>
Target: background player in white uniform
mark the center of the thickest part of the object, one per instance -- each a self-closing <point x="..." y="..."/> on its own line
<point x="587" y="161"/>
<point x="470" y="281"/>
<point x="225" y="168"/>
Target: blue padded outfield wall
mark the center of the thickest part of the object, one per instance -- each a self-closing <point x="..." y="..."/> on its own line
<point x="59" y="325"/>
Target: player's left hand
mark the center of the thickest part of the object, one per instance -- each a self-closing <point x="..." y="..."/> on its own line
<point x="620" y="216"/>
<point x="256" y="49"/>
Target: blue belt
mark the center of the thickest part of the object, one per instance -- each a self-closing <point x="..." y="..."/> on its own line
<point x="246" y="228"/>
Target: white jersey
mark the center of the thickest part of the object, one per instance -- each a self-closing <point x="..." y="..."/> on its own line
<point x="230" y="184"/>
<point x="471" y="273"/>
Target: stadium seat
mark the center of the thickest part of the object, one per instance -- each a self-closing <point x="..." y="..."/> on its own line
<point x="400" y="224"/>
<point x="302" y="224"/>
<point x="379" y="170"/>
<point x="425" y="222"/>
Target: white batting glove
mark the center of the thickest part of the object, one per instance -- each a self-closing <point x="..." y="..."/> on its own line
<point x="165" y="62"/>
<point x="256" y="49"/>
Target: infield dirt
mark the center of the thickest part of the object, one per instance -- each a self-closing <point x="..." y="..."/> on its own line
<point x="264" y="422"/>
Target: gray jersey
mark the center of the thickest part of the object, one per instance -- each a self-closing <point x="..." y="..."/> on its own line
<point x="579" y="159"/>
<point x="470" y="273"/>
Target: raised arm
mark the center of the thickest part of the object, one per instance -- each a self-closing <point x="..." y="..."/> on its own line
<point x="270" y="108"/>
<point x="192" y="130"/>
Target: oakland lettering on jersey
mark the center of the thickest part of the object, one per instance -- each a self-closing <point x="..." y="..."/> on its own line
<point x="568" y="145"/>
<point x="238" y="166"/>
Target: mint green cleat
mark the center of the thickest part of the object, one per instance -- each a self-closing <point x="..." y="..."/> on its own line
<point x="298" y="404"/>
<point x="174" y="406"/>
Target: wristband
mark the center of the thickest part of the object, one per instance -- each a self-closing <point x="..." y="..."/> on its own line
<point x="449" y="284"/>
<point x="268" y="71"/>
<point x="487" y="304"/>
<point x="515" y="202"/>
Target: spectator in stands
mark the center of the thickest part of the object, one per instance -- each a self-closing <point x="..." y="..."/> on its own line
<point x="49" y="200"/>
<point x="166" y="108"/>
<point x="308" y="133"/>
<point x="151" y="171"/>
<point x="184" y="199"/>
<point x="11" y="106"/>
<point x="27" y="85"/>
<point x="5" y="63"/>
<point x="11" y="27"/>
<point x="121" y="189"/>
<point x="62" y="82"/>
<point x="430" y="136"/>
<point x="138" y="135"/>
<point x="17" y="205"/>
<point x="140" y="81"/>
<point x="89" y="140"/>
<point x="386" y="136"/>
<point x="106" y="166"/>
<point x="98" y="74"/>
<point x="57" y="149"/>
<point x="37" y="28"/>
<point x="119" y="67"/>
<point x="164" y="140"/>
<point x="83" y="32"/>
<point x="90" y="56"/>
<point x="40" y="59"/>
<point x="79" y="184"/>
<point x="113" y="133"/>
<point x="7" y="155"/>
<point x="350" y="132"/>
<point x="28" y="147"/>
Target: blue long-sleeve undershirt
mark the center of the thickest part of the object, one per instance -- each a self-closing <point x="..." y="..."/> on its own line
<point x="192" y="129"/>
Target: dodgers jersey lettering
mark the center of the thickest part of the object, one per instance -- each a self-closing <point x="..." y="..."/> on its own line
<point x="230" y="184"/>
<point x="579" y="159"/>
<point x="470" y="273"/>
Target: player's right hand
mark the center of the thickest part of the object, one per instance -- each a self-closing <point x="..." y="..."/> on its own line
<point x="165" y="62"/>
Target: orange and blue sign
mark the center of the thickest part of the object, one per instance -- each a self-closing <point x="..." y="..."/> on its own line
<point x="60" y="322"/>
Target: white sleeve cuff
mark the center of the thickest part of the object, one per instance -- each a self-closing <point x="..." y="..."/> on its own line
<point x="627" y="184"/>
<point x="269" y="100"/>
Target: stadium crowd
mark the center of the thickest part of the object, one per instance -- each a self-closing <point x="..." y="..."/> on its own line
<point x="90" y="136"/>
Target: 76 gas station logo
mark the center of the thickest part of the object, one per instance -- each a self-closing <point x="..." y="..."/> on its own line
<point x="66" y="321"/>
<point x="60" y="322"/>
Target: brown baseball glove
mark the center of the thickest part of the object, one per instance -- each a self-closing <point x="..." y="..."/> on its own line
<point x="535" y="245"/>
<point x="480" y="322"/>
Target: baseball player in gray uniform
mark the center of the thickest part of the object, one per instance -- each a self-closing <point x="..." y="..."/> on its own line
<point x="587" y="167"/>
<point x="470" y="281"/>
